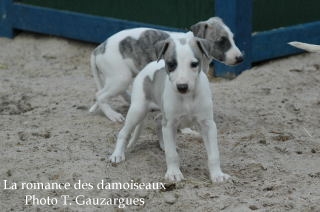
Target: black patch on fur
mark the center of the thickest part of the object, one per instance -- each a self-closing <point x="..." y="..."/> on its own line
<point x="171" y="65"/>
<point x="222" y="46"/>
<point x="142" y="50"/>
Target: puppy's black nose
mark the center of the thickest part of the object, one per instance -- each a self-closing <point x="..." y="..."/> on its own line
<point x="182" y="88"/>
<point x="239" y="59"/>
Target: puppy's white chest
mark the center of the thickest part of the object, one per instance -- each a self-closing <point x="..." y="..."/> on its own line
<point x="188" y="106"/>
<point x="186" y="113"/>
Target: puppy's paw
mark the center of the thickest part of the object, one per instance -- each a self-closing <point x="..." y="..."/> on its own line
<point x="115" y="116"/>
<point x="219" y="177"/>
<point x="117" y="157"/>
<point x="174" y="175"/>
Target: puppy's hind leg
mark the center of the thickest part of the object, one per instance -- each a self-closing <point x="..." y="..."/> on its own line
<point x="103" y="98"/>
<point x="126" y="96"/>
<point x="98" y="78"/>
<point x="136" y="114"/>
<point x="113" y="87"/>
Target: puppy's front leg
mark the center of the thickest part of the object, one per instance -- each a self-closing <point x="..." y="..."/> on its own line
<point x="136" y="114"/>
<point x="209" y="135"/>
<point x="169" y="131"/>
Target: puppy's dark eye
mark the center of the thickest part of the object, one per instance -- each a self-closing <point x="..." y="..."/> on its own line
<point x="194" y="64"/>
<point x="222" y="41"/>
<point x="172" y="65"/>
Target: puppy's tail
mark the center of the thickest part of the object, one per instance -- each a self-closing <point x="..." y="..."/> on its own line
<point x="306" y="46"/>
<point x="97" y="78"/>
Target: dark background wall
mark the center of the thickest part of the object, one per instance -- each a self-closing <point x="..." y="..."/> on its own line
<point x="267" y="14"/>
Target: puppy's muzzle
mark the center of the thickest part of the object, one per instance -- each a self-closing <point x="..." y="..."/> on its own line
<point x="182" y="88"/>
<point x="239" y="59"/>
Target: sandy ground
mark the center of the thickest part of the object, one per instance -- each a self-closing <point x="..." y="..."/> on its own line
<point x="268" y="126"/>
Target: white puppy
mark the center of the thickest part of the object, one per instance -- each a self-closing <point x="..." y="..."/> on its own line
<point x="116" y="61"/>
<point x="180" y="89"/>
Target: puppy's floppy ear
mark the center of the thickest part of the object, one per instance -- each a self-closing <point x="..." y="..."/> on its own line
<point x="161" y="47"/>
<point x="204" y="46"/>
<point x="199" y="29"/>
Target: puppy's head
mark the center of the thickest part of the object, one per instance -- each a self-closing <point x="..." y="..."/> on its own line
<point x="223" y="47"/>
<point x="184" y="58"/>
